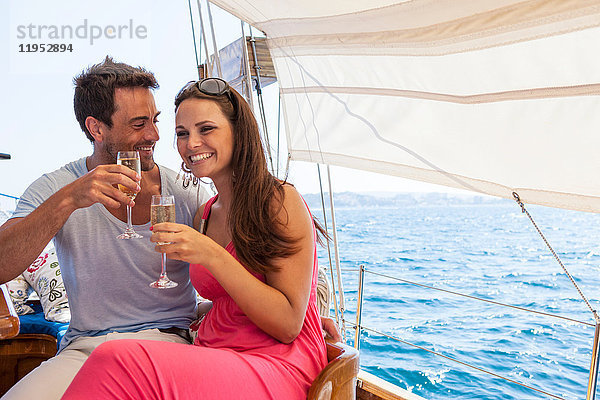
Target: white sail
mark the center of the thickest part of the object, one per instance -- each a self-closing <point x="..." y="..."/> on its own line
<point x="492" y="96"/>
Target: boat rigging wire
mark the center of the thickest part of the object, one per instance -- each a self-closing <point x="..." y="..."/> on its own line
<point x="359" y="304"/>
<point x="259" y="96"/>
<point x="287" y="166"/>
<point x="337" y="255"/>
<point x="209" y="64"/>
<point x="194" y="38"/>
<point x="212" y="31"/>
<point x="337" y="318"/>
<point x="279" y="135"/>
<point x="246" y="84"/>
<point x="524" y="210"/>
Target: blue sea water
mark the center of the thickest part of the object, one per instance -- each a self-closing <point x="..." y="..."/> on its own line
<point x="487" y="250"/>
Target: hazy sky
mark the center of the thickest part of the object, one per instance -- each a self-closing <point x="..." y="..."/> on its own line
<point x="39" y="129"/>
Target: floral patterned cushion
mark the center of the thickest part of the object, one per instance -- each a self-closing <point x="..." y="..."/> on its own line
<point x="19" y="291"/>
<point x="45" y="278"/>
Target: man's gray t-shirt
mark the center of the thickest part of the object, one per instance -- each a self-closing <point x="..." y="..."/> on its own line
<point x="107" y="279"/>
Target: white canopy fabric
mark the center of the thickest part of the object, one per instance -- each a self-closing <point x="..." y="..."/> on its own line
<point x="492" y="96"/>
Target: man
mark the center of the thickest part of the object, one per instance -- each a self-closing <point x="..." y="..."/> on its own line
<point x="107" y="279"/>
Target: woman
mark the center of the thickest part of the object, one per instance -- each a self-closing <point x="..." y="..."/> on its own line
<point x="254" y="256"/>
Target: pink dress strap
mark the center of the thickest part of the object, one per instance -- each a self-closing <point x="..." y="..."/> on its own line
<point x="206" y="214"/>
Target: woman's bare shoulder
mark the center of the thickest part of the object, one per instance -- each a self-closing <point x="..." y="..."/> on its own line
<point x="294" y="209"/>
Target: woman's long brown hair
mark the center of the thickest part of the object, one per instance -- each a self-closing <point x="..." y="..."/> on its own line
<point x="257" y="235"/>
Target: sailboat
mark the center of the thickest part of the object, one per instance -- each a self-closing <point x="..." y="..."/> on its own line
<point x="494" y="97"/>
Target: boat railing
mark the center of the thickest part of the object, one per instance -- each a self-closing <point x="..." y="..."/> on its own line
<point x="359" y="328"/>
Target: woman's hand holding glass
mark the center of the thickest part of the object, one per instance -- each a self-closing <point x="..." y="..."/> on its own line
<point x="185" y="243"/>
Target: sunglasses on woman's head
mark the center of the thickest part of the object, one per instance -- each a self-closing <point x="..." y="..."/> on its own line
<point x="210" y="86"/>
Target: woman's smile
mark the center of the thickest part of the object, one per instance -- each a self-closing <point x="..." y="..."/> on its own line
<point x="195" y="158"/>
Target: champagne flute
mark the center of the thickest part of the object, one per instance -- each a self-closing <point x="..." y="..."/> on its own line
<point x="162" y="209"/>
<point x="130" y="159"/>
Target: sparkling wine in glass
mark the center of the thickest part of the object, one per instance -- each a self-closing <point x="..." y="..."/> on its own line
<point x="130" y="159"/>
<point x="162" y="209"/>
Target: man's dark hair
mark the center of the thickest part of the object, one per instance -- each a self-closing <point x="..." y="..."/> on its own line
<point x="95" y="89"/>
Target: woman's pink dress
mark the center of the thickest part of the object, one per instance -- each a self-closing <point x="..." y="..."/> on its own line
<point x="231" y="358"/>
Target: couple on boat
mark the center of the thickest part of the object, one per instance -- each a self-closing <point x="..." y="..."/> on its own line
<point x="251" y="250"/>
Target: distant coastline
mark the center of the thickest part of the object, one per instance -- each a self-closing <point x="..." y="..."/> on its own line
<point x="410" y="199"/>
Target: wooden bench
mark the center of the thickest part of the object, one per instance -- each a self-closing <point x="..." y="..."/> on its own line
<point x="19" y="353"/>
<point x="9" y="320"/>
<point x="337" y="381"/>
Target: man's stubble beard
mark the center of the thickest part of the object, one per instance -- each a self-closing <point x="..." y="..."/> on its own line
<point x="111" y="150"/>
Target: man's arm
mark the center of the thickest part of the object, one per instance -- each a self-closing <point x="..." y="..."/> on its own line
<point x="23" y="239"/>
